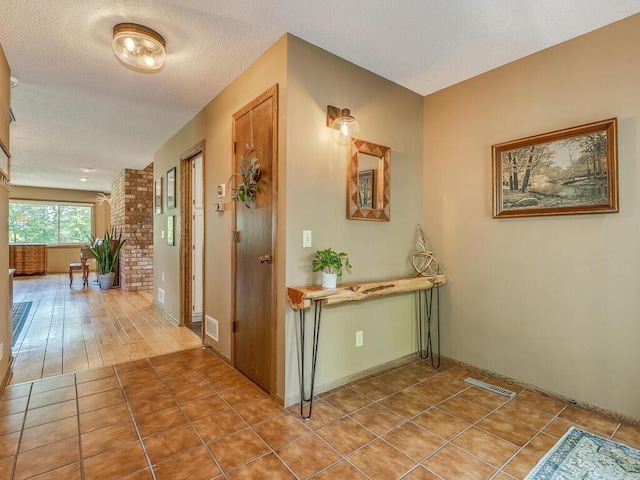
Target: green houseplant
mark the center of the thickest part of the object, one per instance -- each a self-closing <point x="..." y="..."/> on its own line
<point x="106" y="250"/>
<point x="330" y="263"/>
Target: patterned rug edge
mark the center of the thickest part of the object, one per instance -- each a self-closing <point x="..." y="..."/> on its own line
<point x="538" y="472"/>
<point x="19" y="315"/>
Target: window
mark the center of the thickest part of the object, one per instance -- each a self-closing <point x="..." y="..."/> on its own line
<point x="50" y="222"/>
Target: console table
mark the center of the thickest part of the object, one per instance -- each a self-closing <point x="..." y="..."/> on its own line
<point x="301" y="299"/>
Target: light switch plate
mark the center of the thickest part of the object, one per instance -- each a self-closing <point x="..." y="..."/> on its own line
<point x="306" y="238"/>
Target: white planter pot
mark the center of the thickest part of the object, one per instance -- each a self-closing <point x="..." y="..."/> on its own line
<point x="329" y="280"/>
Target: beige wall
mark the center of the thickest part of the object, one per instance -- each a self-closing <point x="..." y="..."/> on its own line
<point x="316" y="200"/>
<point x="213" y="125"/>
<point x="5" y="317"/>
<point x="550" y="301"/>
<point x="5" y="308"/>
<point x="5" y="102"/>
<point x="311" y="195"/>
<point x="59" y="257"/>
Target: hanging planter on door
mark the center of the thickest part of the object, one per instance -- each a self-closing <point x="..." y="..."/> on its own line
<point x="245" y="191"/>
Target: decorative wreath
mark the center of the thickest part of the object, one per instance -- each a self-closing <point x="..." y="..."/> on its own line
<point x="245" y="191"/>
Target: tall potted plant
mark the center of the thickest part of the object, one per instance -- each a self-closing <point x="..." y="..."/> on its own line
<point x="107" y="251"/>
<point x="330" y="263"/>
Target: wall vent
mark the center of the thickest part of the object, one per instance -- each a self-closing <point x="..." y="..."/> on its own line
<point x="211" y="327"/>
<point x="491" y="388"/>
<point x="161" y="295"/>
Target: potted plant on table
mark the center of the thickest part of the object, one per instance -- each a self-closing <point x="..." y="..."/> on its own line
<point x="330" y="263"/>
<point x="107" y="251"/>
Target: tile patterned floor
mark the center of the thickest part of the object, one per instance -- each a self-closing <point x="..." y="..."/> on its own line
<point x="188" y="415"/>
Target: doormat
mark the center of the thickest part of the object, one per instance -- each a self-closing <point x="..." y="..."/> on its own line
<point x="580" y="454"/>
<point x="20" y="312"/>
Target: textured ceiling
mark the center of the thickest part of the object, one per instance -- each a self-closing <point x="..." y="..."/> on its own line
<point x="77" y="107"/>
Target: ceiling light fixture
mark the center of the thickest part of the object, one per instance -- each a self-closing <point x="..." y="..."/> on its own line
<point x="139" y="46"/>
<point x="83" y="179"/>
<point x="346" y="127"/>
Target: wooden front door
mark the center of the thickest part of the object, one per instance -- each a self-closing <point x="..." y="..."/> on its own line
<point x="255" y="135"/>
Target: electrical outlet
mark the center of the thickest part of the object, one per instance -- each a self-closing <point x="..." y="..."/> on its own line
<point x="359" y="338"/>
<point x="306" y="238"/>
<point x="162" y="234"/>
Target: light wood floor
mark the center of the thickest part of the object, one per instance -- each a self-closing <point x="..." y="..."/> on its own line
<point x="75" y="329"/>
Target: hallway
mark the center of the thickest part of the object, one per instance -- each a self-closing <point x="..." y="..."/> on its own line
<point x="74" y="329"/>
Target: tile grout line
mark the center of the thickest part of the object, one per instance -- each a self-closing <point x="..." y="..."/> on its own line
<point x="406" y="420"/>
<point x="195" y="430"/>
<point x="22" y="429"/>
<point x="450" y="441"/>
<point x="540" y="430"/>
<point x="80" y="451"/>
<point x="135" y="424"/>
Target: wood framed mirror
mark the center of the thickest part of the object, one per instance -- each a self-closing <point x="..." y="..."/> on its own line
<point x="369" y="182"/>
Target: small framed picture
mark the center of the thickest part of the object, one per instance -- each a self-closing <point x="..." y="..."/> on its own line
<point x="171" y="188"/>
<point x="158" y="196"/>
<point x="170" y="230"/>
<point x="366" y="188"/>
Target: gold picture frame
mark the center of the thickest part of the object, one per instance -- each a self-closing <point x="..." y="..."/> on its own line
<point x="565" y="172"/>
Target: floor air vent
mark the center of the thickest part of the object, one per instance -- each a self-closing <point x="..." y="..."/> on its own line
<point x="491" y="388"/>
<point x="211" y="327"/>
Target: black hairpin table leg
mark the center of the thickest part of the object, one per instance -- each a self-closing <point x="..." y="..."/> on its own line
<point x="304" y="399"/>
<point x="428" y="352"/>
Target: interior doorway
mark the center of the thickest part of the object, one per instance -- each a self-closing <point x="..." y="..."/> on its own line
<point x="192" y="239"/>
<point x="255" y="136"/>
<point x="197" y="243"/>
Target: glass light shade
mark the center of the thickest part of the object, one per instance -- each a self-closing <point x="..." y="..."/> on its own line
<point x="139" y="46"/>
<point x="345" y="127"/>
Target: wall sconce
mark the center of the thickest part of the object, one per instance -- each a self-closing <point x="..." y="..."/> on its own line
<point x="345" y="127"/>
<point x="139" y="46"/>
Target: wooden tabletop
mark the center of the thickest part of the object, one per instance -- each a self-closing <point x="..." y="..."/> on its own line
<point x="301" y="297"/>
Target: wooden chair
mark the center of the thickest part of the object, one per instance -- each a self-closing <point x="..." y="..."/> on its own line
<point x="83" y="265"/>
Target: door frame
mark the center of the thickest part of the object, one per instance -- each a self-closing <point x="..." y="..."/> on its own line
<point x="271" y="92"/>
<point x="186" y="267"/>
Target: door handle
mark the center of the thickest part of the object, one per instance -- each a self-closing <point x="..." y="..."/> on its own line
<point x="265" y="259"/>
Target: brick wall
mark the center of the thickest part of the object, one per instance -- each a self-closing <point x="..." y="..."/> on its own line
<point x="132" y="212"/>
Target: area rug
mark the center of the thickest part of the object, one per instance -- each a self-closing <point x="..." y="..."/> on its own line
<point x="582" y="455"/>
<point x="20" y="312"/>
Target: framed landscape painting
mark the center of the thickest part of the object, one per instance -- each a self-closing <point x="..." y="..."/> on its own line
<point x="570" y="171"/>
